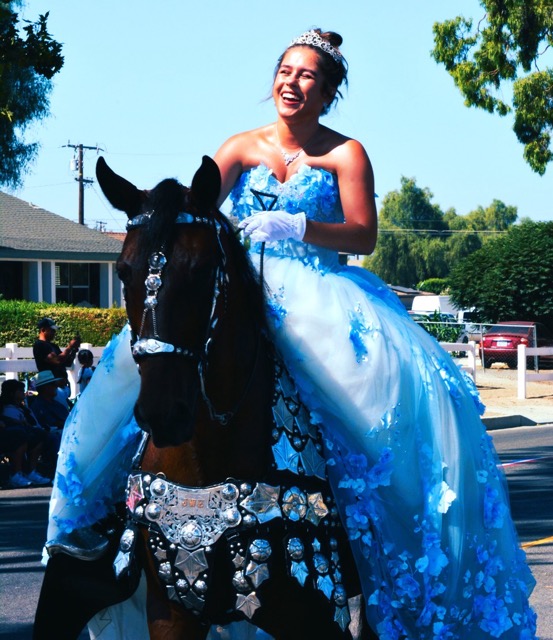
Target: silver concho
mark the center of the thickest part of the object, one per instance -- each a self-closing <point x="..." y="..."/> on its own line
<point x="152" y="511"/>
<point x="150" y="302"/>
<point x="182" y="585"/>
<point x="190" y="534"/>
<point x="127" y="539"/>
<point x="164" y="571"/>
<point x="229" y="492"/>
<point x="321" y="563"/>
<point x="159" y="487"/>
<point x="294" y="504"/>
<point x="295" y="548"/>
<point x="157" y="261"/>
<point x="153" y="282"/>
<point x="260" y="550"/>
<point x="240" y="582"/>
<point x="231" y="517"/>
<point x="340" y="595"/>
<point x="200" y="587"/>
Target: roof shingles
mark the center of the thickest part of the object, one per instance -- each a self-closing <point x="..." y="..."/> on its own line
<point x="25" y="227"/>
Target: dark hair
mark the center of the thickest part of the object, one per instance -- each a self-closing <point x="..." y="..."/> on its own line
<point x="85" y="355"/>
<point x="334" y="72"/>
<point x="9" y="388"/>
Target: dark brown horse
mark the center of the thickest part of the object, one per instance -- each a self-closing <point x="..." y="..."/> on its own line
<point x="229" y="510"/>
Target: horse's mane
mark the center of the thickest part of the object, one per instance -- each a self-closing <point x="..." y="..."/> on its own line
<point x="255" y="288"/>
<point x="166" y="200"/>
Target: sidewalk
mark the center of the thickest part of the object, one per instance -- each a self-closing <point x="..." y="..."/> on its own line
<point x="498" y="391"/>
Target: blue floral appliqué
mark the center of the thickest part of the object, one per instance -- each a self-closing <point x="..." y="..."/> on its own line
<point x="275" y="309"/>
<point x="358" y="331"/>
<point x="494" y="508"/>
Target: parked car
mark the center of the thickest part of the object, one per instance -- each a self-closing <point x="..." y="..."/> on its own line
<point x="502" y="339"/>
<point x="472" y="329"/>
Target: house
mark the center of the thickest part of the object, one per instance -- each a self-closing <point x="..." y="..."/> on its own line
<point x="47" y="258"/>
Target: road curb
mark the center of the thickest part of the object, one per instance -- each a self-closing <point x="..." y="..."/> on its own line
<point x="504" y="422"/>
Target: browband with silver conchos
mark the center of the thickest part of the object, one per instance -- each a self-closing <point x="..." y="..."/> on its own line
<point x="182" y="218"/>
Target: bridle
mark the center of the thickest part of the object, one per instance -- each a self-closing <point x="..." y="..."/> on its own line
<point x="144" y="346"/>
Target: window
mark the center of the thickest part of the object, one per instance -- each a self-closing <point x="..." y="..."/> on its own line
<point x="77" y="283"/>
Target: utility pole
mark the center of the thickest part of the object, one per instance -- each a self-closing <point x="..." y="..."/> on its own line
<point x="80" y="177"/>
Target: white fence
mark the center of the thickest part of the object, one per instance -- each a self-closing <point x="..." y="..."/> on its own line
<point x="15" y="359"/>
<point x="523" y="375"/>
<point x="464" y="347"/>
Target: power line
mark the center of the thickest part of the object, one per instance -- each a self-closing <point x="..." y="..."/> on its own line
<point x="441" y="232"/>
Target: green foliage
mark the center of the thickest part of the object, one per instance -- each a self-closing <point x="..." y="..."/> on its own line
<point x="18" y="322"/>
<point x="442" y="331"/>
<point x="437" y="286"/>
<point x="27" y="64"/>
<point x="510" y="277"/>
<point x="417" y="241"/>
<point x="501" y="50"/>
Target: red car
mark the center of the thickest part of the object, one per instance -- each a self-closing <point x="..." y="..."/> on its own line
<point x="500" y="342"/>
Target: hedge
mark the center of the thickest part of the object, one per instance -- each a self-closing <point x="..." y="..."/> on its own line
<point x="19" y="318"/>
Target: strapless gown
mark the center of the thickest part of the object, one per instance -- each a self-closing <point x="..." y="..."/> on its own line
<point x="413" y="470"/>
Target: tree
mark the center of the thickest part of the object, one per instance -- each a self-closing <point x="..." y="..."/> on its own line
<point x="510" y="277"/>
<point x="27" y="65"/>
<point x="408" y="250"/>
<point x="504" y="49"/>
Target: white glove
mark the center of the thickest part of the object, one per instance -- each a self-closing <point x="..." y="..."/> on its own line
<point x="270" y="226"/>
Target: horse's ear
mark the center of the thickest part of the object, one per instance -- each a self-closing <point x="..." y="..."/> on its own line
<point x="121" y="193"/>
<point x="206" y="184"/>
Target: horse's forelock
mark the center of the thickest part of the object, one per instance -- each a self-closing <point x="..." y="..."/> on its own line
<point x="165" y="201"/>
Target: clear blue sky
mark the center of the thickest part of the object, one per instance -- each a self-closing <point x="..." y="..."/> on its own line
<point x="157" y="85"/>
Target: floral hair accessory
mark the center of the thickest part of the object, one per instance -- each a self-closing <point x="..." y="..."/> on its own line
<point x="314" y="39"/>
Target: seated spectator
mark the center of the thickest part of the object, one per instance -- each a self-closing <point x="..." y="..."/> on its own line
<point x="13" y="445"/>
<point x="86" y="360"/>
<point x="22" y="437"/>
<point x="50" y="413"/>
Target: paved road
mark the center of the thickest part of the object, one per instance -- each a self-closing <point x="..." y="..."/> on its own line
<point x="527" y="453"/>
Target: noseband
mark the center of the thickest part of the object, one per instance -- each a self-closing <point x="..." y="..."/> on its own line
<point x="144" y="346"/>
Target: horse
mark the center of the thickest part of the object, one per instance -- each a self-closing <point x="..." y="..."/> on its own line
<point x="229" y="510"/>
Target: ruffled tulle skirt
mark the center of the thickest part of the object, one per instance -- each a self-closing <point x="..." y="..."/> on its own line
<point x="412" y="467"/>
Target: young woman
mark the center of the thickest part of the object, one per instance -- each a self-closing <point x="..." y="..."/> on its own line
<point x="414" y="473"/>
<point x="411" y="465"/>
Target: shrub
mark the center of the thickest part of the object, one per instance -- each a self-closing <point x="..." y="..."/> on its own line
<point x="438" y="286"/>
<point x="19" y="318"/>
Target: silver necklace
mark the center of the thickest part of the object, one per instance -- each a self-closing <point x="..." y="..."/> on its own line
<point x="290" y="157"/>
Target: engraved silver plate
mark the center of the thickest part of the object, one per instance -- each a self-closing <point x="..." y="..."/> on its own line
<point x="190" y="517"/>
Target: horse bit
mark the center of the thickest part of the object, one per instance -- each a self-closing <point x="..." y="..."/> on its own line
<point x="150" y="346"/>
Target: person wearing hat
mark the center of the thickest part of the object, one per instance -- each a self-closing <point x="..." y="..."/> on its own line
<point x="49" y="412"/>
<point x="48" y="355"/>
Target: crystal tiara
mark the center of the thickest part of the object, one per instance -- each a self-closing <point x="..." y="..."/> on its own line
<point x="314" y="39"/>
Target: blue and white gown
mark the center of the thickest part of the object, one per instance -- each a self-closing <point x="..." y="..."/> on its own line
<point x="413" y="470"/>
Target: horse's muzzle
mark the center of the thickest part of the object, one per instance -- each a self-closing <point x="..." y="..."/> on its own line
<point x="169" y="426"/>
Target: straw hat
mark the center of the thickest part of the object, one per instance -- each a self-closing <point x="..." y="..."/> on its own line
<point x="44" y="377"/>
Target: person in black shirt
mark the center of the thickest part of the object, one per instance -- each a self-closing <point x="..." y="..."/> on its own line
<point x="48" y="355"/>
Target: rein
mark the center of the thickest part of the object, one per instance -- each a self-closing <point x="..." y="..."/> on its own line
<point x="148" y="346"/>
